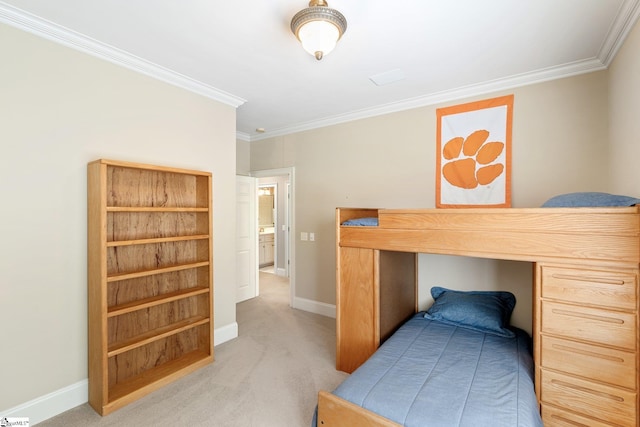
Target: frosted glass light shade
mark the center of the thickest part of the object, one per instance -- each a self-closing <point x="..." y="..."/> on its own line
<point x="318" y="36"/>
<point x="318" y="28"/>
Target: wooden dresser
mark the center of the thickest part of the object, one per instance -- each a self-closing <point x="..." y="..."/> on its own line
<point x="586" y="304"/>
<point x="586" y="341"/>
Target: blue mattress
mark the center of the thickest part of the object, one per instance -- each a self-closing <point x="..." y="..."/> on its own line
<point x="433" y="374"/>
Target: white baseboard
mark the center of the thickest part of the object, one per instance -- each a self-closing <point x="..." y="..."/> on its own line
<point x="52" y="404"/>
<point x="48" y="406"/>
<point x="322" y="308"/>
<point x="225" y="333"/>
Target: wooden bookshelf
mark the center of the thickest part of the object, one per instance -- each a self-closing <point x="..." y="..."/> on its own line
<point x="150" y="278"/>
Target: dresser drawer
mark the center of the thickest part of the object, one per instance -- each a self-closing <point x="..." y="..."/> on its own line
<point x="600" y="326"/>
<point x="554" y="417"/>
<point x="590" y="361"/>
<point x="615" y="289"/>
<point x="609" y="404"/>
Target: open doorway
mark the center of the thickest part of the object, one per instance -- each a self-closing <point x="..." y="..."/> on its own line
<point x="267" y="220"/>
<point x="273" y="224"/>
<point x="276" y="224"/>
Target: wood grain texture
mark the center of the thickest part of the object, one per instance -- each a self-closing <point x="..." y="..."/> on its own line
<point x="601" y="287"/>
<point x="398" y="290"/>
<point x="359" y="332"/>
<point x="96" y="279"/>
<point x="123" y="226"/>
<point x="516" y="245"/>
<point x="613" y="328"/>
<point x="602" y="402"/>
<point x="597" y="220"/>
<point x="552" y="416"/>
<point x="603" y="236"/>
<point x="585" y="294"/>
<point x="150" y="278"/>
<point x="336" y="412"/>
<point x="605" y="364"/>
<point x="587" y="332"/>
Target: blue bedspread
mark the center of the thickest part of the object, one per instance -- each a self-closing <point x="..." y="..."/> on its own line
<point x="432" y="374"/>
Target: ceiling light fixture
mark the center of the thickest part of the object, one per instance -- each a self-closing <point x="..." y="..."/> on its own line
<point x="318" y="27"/>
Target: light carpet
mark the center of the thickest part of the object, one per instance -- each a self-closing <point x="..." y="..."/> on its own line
<point x="267" y="377"/>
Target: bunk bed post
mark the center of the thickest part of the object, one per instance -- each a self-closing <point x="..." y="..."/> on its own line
<point x="364" y="277"/>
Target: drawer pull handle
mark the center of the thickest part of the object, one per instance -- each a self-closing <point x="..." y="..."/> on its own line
<point x="588" y="353"/>
<point x="587" y="390"/>
<point x="604" y="280"/>
<point x="587" y="316"/>
<point x="568" y="421"/>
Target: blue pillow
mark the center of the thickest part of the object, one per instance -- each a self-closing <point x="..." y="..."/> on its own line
<point x="589" y="199"/>
<point x="484" y="311"/>
<point x="372" y="222"/>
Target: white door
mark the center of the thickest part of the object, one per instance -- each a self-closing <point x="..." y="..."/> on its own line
<point x="246" y="233"/>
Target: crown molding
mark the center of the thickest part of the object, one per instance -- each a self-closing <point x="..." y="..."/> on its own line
<point x="629" y="13"/>
<point x="243" y="136"/>
<point x="567" y="70"/>
<point x="30" y="23"/>
<point x="625" y="19"/>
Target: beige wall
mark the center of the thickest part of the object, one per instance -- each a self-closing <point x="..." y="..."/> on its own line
<point x="624" y="117"/>
<point x="559" y="145"/>
<point x="243" y="158"/>
<point x="60" y="109"/>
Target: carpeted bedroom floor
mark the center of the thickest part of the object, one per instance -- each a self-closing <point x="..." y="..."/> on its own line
<point x="267" y="377"/>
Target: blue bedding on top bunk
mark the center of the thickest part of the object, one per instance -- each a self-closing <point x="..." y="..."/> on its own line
<point x="362" y="222"/>
<point x="589" y="199"/>
<point x="433" y="374"/>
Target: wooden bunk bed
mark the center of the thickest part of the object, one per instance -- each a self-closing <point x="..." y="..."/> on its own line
<point x="585" y="285"/>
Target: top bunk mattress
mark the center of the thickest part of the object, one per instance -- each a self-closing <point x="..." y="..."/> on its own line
<point x="433" y="374"/>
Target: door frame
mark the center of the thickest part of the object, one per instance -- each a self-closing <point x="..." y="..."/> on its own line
<point x="290" y="249"/>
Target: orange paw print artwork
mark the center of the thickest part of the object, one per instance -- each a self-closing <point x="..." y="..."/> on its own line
<point x="470" y="160"/>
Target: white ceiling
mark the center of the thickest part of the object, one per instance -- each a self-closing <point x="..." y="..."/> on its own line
<point x="242" y="52"/>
